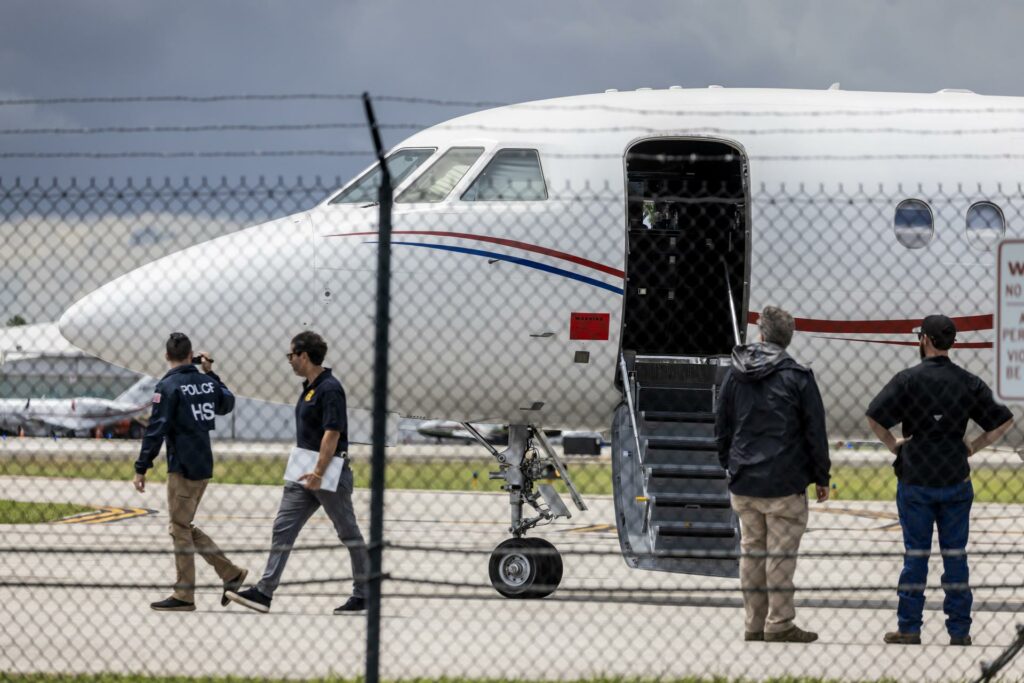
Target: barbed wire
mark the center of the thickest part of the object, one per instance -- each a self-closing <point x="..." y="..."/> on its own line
<point x="641" y="592"/>
<point x="553" y="155"/>
<point x="164" y="99"/>
<point x="560" y="130"/>
<point x="461" y="550"/>
<point x="204" y="128"/>
<point x="189" y="155"/>
<point x="857" y="194"/>
<point x="543" y="105"/>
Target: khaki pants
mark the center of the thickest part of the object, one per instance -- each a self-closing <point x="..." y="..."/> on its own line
<point x="770" y="529"/>
<point x="183" y="496"/>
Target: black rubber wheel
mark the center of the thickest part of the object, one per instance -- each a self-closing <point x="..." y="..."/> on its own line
<point x="514" y="568"/>
<point x="550" y="562"/>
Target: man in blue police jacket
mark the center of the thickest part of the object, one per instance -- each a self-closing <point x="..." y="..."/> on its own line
<point x="184" y="406"/>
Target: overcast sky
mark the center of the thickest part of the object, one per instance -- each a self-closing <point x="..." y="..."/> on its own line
<point x="455" y="49"/>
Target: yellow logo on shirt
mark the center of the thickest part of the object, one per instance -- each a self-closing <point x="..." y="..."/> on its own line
<point x="309" y="396"/>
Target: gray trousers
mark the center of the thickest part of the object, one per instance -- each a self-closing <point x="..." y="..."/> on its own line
<point x="297" y="505"/>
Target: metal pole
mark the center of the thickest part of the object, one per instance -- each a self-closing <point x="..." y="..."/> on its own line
<point x="380" y="406"/>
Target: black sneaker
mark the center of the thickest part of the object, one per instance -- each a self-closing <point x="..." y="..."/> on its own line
<point x="353" y="604"/>
<point x="233" y="585"/>
<point x="250" y="598"/>
<point x="962" y="641"/>
<point x="173" y="605"/>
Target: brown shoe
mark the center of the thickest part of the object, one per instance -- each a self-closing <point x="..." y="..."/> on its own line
<point x="900" y="638"/>
<point x="791" y="635"/>
<point x="753" y="635"/>
<point x="962" y="641"/>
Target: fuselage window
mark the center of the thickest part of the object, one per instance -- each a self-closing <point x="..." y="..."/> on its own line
<point x="914" y="224"/>
<point x="985" y="225"/>
<point x="512" y="175"/>
<point x="437" y="181"/>
<point x="400" y="164"/>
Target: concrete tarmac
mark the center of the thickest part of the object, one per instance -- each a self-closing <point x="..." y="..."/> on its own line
<point x="75" y="596"/>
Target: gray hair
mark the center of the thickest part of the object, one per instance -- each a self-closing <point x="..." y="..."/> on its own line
<point x="776" y="326"/>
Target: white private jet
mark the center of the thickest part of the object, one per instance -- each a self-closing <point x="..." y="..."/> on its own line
<point x="595" y="259"/>
<point x="44" y="416"/>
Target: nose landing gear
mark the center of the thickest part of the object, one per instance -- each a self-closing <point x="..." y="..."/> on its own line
<point x="525" y="568"/>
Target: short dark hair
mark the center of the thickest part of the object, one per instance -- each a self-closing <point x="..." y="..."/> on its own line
<point x="312" y="344"/>
<point x="179" y="347"/>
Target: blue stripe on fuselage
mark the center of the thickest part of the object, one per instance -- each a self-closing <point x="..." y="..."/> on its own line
<point x="513" y="259"/>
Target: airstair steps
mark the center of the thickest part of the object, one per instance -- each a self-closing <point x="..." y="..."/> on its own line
<point x="666" y="416"/>
<point x="695" y="530"/>
<point x="681" y="443"/>
<point x="679" y="504"/>
<point x="715" y="500"/>
<point x="678" y="471"/>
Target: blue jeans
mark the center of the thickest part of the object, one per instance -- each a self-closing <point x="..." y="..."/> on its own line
<point x="921" y="508"/>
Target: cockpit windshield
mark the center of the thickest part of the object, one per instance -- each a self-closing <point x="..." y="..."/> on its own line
<point x="400" y="163"/>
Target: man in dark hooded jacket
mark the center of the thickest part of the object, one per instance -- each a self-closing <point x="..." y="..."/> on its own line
<point x="770" y="429"/>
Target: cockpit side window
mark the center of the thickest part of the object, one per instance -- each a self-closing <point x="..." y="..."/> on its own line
<point x="512" y="175"/>
<point x="435" y="183"/>
<point x="400" y="163"/>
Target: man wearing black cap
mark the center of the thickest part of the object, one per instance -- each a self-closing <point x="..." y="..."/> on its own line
<point x="934" y="400"/>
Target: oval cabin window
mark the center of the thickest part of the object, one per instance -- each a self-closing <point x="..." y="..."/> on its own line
<point x="914" y="224"/>
<point x="985" y="225"/>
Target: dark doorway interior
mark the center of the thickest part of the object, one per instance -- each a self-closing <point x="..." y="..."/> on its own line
<point x="687" y="229"/>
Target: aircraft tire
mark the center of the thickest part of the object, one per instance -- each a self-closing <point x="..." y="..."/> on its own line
<point x="551" y="567"/>
<point x="515" y="570"/>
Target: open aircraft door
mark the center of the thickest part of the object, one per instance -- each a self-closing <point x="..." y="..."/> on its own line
<point x="687" y="273"/>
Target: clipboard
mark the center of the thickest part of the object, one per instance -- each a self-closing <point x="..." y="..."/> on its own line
<point x="302" y="460"/>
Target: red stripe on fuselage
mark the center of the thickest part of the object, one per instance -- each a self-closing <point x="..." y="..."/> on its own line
<point x="505" y="243"/>
<point x="968" y="323"/>
<point x="957" y="345"/>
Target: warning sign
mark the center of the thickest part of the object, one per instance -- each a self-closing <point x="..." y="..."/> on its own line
<point x="1009" y="332"/>
<point x="592" y="326"/>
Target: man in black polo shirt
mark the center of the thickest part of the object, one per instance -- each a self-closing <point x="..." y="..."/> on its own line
<point x="934" y="400"/>
<point x="322" y="433"/>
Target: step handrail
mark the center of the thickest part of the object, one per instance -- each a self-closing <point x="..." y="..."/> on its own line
<point x="732" y="305"/>
<point x="629" y="402"/>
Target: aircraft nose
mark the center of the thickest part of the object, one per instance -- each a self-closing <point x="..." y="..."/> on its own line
<point x="240" y="297"/>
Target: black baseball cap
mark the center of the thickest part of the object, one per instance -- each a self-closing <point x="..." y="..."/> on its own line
<point x="940" y="329"/>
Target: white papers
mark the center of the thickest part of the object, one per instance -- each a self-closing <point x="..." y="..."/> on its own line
<point x="303" y="461"/>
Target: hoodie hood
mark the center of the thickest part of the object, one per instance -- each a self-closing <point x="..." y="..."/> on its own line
<point x="756" y="361"/>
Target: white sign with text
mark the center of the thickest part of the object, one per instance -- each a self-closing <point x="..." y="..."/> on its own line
<point x="1009" y="329"/>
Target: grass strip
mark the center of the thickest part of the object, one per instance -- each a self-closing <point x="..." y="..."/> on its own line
<point x="14" y="512"/>
<point x="858" y="483"/>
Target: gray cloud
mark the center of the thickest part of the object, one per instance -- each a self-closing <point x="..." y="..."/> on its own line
<point x="462" y="49"/>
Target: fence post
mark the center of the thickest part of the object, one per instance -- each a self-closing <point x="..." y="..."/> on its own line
<point x="380" y="406"/>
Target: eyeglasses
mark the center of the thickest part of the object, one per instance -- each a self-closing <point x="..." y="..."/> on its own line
<point x="293" y="354"/>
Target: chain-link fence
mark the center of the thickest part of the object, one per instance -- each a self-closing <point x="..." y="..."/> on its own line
<point x="575" y="447"/>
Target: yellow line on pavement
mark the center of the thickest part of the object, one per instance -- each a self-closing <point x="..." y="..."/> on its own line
<point x="104" y="514"/>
